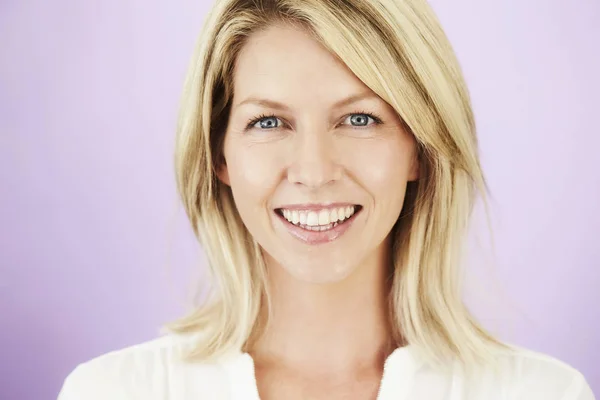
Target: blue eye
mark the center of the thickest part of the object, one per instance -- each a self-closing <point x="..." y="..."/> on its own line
<point x="267" y="122"/>
<point x="362" y="119"/>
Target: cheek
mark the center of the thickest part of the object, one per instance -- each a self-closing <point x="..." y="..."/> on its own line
<point x="382" y="166"/>
<point x="253" y="170"/>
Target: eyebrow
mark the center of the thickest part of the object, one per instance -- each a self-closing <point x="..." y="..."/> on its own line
<point x="280" y="106"/>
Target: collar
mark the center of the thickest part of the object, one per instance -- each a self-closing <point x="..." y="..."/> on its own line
<point x="398" y="370"/>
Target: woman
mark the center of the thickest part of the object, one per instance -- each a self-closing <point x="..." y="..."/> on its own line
<point x="327" y="160"/>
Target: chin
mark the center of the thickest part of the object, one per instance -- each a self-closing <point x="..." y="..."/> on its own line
<point x="319" y="272"/>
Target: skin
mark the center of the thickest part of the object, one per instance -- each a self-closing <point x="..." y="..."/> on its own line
<point x="330" y="334"/>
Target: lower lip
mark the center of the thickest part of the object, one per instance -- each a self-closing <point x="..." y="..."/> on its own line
<point x="317" y="237"/>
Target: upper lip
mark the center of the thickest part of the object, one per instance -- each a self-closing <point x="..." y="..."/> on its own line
<point x="316" y="206"/>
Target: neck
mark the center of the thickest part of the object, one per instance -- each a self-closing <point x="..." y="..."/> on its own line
<point x="334" y="327"/>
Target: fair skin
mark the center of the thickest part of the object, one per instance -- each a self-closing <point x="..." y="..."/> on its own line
<point x="329" y="335"/>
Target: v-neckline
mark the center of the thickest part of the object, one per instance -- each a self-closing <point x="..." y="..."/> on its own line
<point x="399" y="367"/>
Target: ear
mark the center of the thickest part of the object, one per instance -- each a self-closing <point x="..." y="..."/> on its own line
<point x="222" y="171"/>
<point x="415" y="168"/>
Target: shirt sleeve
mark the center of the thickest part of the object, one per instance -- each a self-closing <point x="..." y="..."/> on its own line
<point x="69" y="389"/>
<point x="579" y="389"/>
<point x="82" y="384"/>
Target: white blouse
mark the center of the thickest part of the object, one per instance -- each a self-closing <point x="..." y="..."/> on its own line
<point x="154" y="371"/>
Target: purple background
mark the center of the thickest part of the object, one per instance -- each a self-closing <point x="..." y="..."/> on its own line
<point x="95" y="252"/>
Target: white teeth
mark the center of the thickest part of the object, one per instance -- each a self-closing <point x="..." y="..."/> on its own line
<point x="302" y="218"/>
<point x="333" y="215"/>
<point x="312" y="218"/>
<point x="323" y="217"/>
<point x="322" y="220"/>
<point x="349" y="211"/>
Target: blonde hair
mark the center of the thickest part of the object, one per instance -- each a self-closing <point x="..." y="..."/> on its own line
<point x="399" y="50"/>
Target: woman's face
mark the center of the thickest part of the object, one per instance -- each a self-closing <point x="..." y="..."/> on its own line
<point x="317" y="163"/>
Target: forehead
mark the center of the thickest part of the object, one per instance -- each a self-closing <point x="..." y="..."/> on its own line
<point x="286" y="62"/>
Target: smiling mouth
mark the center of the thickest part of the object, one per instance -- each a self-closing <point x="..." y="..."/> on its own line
<point x="319" y="220"/>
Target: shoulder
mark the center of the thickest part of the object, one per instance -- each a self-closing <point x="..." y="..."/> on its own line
<point x="526" y="374"/>
<point x="150" y="370"/>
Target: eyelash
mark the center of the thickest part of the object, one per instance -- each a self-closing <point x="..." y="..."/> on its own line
<point x="376" y="119"/>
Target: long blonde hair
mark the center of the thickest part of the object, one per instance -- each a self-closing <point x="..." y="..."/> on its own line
<point x="399" y="50"/>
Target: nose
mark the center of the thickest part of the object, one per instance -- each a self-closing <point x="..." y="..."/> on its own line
<point x="313" y="162"/>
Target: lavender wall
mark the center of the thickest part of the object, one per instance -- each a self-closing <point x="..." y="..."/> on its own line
<point x="95" y="253"/>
